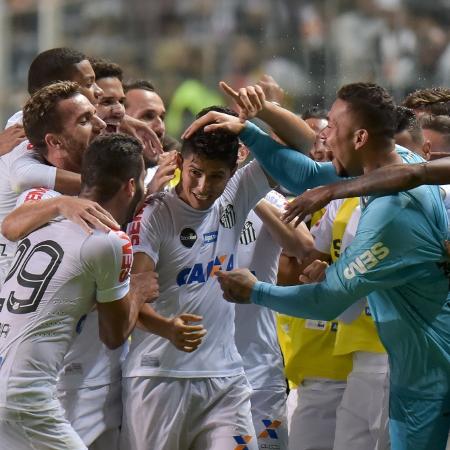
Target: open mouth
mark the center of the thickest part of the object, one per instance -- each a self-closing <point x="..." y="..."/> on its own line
<point x="201" y="198"/>
<point x="112" y="128"/>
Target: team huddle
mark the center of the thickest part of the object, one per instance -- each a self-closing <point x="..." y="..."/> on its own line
<point x="157" y="294"/>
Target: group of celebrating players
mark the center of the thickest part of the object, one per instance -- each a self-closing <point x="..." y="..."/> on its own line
<point x="140" y="275"/>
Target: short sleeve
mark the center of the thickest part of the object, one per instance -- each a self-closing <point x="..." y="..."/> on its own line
<point x="276" y="199"/>
<point x="246" y="188"/>
<point x="148" y="229"/>
<point x="27" y="172"/>
<point x="36" y="194"/>
<point x="322" y="231"/>
<point x="108" y="258"/>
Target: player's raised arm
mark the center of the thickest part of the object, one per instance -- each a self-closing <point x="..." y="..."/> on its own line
<point x="289" y="127"/>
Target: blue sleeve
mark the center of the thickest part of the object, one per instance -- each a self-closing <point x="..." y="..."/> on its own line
<point x="392" y="243"/>
<point x="286" y="166"/>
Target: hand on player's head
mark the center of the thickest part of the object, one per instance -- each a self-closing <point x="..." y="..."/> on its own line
<point x="213" y="121"/>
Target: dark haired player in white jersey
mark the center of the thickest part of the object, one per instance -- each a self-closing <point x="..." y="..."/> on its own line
<point x="59" y="273"/>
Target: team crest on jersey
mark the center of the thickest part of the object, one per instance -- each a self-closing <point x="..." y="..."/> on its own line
<point x="242" y="442"/>
<point x="228" y="217"/>
<point x="248" y="233"/>
<point x="188" y="236"/>
<point x="198" y="273"/>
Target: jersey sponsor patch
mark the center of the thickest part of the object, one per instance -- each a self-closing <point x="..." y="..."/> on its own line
<point x="242" y="441"/>
<point x="188" y="236"/>
<point x="127" y="256"/>
<point x="366" y="260"/>
<point x="4" y="330"/>
<point x="199" y="273"/>
<point x="316" y="324"/>
<point x="35" y="194"/>
<point x="149" y="361"/>
<point x="209" y="238"/>
<point x="248" y="234"/>
<point x="228" y="217"/>
<point x="270" y="429"/>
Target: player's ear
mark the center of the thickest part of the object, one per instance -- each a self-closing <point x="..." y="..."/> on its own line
<point x="52" y="141"/>
<point x="360" y="138"/>
<point x="130" y="187"/>
<point x="179" y="160"/>
<point x="426" y="149"/>
<point x="243" y="153"/>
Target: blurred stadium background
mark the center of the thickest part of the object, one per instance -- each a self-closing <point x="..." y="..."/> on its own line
<point x="186" y="46"/>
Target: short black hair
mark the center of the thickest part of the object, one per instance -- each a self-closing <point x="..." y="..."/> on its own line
<point x="109" y="161"/>
<point x="314" y="113"/>
<point x="56" y="64"/>
<point x="41" y="115"/>
<point x="373" y="106"/>
<point x="218" y="145"/>
<point x="145" y="85"/>
<point x="407" y="121"/>
<point x="106" y="69"/>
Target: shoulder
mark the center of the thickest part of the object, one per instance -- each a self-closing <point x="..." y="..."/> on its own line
<point x="37" y="194"/>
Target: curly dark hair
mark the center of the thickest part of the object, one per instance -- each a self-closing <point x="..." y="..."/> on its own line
<point x="40" y="113"/>
<point x="372" y="106"/>
<point x="431" y="100"/>
<point x="109" y="161"/>
<point x="106" y="69"/>
<point x="56" y="64"/>
<point x="218" y="145"/>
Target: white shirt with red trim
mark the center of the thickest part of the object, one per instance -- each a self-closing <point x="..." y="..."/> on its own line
<point x="58" y="274"/>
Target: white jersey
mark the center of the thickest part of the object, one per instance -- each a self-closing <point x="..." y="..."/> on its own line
<point x="256" y="331"/>
<point x="88" y="362"/>
<point x="188" y="247"/>
<point x="19" y="171"/>
<point x="58" y="273"/>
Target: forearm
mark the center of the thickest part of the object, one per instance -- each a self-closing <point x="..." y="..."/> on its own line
<point x="310" y="301"/>
<point x="151" y="321"/>
<point x="29" y="217"/>
<point x="294" y="171"/>
<point x="68" y="183"/>
<point x="297" y="242"/>
<point x="391" y="179"/>
<point x="289" y="127"/>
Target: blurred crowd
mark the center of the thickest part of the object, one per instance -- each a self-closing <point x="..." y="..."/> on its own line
<point x="309" y="46"/>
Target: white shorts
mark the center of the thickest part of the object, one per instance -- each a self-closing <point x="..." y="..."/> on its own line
<point x="312" y="414"/>
<point x="177" y="414"/>
<point x="362" y="418"/>
<point x="95" y="413"/>
<point x="45" y="430"/>
<point x="269" y="418"/>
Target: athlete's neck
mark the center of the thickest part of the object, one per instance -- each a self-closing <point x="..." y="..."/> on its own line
<point x="114" y="205"/>
<point x="377" y="157"/>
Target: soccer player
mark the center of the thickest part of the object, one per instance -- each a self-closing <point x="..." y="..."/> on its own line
<point x="58" y="275"/>
<point x="200" y="399"/>
<point x="393" y="260"/>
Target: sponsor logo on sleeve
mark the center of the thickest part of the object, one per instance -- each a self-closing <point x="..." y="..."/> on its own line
<point x="35" y="194"/>
<point x="188" y="236"/>
<point x="228" y="217"/>
<point x="248" y="234"/>
<point x="366" y="260"/>
<point x="127" y="256"/>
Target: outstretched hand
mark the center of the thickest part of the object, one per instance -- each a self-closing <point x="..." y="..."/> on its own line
<point x="214" y="121"/>
<point x="10" y="138"/>
<point x="250" y="100"/>
<point x="307" y="203"/>
<point x="237" y="285"/>
<point x="183" y="335"/>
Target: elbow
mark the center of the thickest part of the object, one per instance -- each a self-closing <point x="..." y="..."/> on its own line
<point x="112" y="340"/>
<point x="10" y="230"/>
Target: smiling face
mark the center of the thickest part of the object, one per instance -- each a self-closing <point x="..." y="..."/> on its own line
<point x="80" y="126"/>
<point x="339" y="138"/>
<point x="110" y="107"/>
<point x="202" y="180"/>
